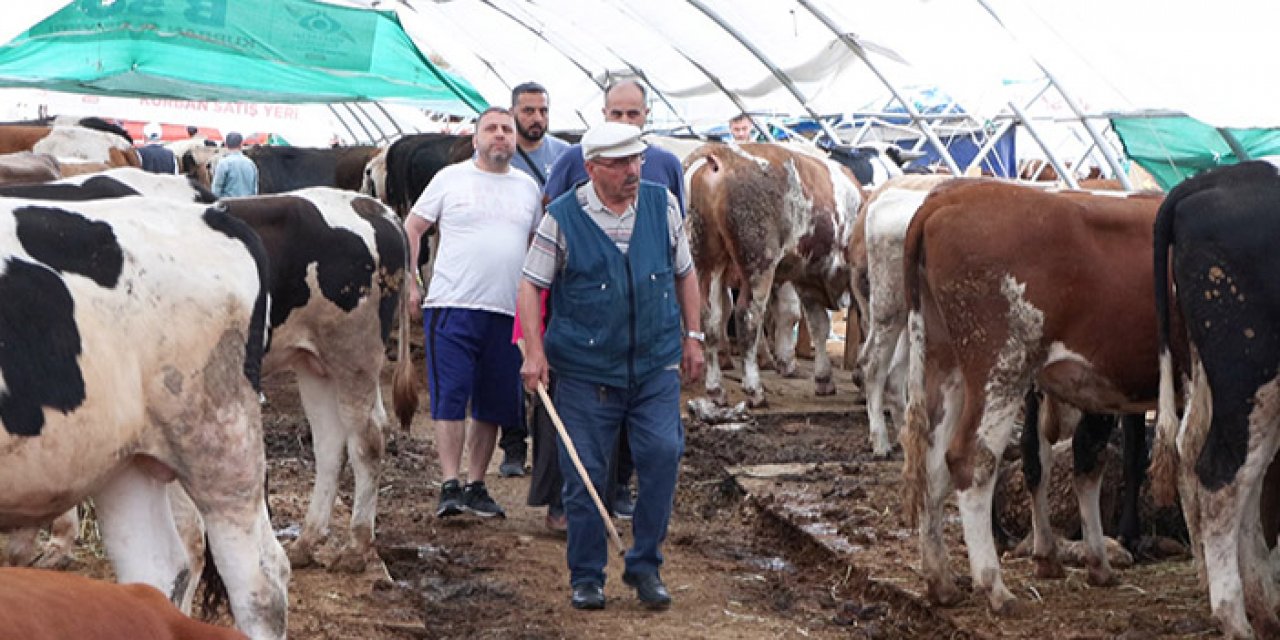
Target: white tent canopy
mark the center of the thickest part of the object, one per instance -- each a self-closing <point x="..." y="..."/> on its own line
<point x="709" y="59"/>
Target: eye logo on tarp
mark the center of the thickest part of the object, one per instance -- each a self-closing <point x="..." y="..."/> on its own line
<point x="320" y="23"/>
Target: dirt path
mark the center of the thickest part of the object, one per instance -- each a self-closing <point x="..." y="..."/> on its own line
<point x="784" y="528"/>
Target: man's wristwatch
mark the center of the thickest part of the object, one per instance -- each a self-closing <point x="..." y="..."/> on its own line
<point x="696" y="335"/>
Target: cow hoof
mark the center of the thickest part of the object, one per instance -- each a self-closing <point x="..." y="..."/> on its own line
<point x="944" y="593"/>
<point x="788" y="369"/>
<point x="1049" y="568"/>
<point x="881" y="455"/>
<point x="757" y="401"/>
<point x="350" y="560"/>
<point x="300" y="558"/>
<point x="1102" y="577"/>
<point x="1011" y="608"/>
<point x="824" y="387"/>
<point x="60" y="561"/>
<point x="718" y="397"/>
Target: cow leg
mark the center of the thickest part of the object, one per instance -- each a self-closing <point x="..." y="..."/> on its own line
<point x="1129" y="531"/>
<point x="224" y="468"/>
<point x="1089" y="440"/>
<point x="1233" y="563"/>
<point x="191" y="530"/>
<point x="751" y="328"/>
<point x="935" y="564"/>
<point x="998" y="408"/>
<point x="784" y="306"/>
<point x="365" y="448"/>
<point x="1037" y="457"/>
<point x="876" y="361"/>
<point x="141" y="538"/>
<point x="1192" y="431"/>
<point x="713" y="323"/>
<point x="24" y="548"/>
<point x="820" y="326"/>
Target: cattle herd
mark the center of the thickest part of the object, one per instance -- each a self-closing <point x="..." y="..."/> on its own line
<point x="138" y="315"/>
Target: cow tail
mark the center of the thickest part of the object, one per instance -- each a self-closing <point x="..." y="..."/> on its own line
<point x="914" y="435"/>
<point x="214" y="599"/>
<point x="1164" y="451"/>
<point x="404" y="389"/>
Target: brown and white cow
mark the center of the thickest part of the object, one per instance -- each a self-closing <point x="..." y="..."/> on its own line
<point x="50" y="605"/>
<point x="764" y="215"/>
<point x="26" y="167"/>
<point x="875" y="261"/>
<point x="1008" y="285"/>
<point x="133" y="332"/>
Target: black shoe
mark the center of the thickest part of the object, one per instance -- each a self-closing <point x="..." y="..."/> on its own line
<point x="624" y="506"/>
<point x="588" y="595"/>
<point x="512" y="466"/>
<point x="476" y="500"/>
<point x="649" y="589"/>
<point x="450" y="499"/>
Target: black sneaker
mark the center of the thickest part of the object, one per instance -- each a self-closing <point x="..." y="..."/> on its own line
<point x="512" y="466"/>
<point x="649" y="589"/>
<point x="624" y="506"/>
<point x="476" y="500"/>
<point x="450" y="499"/>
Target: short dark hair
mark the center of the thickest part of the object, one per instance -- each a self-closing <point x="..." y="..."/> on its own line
<point x="503" y="110"/>
<point x="192" y="129"/>
<point x="526" y="87"/>
<point x="234" y="140"/>
<point x="740" y="117"/>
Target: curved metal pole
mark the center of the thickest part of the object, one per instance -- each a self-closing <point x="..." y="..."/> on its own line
<point x="358" y="121"/>
<point x="711" y="77"/>
<point x="859" y="51"/>
<point x="1108" y="153"/>
<point x="395" y="123"/>
<point x="1063" y="174"/>
<point x="768" y="64"/>
<point x="382" y="135"/>
<point x="343" y="122"/>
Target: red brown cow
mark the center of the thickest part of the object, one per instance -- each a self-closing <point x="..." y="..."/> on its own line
<point x="765" y="215"/>
<point x="49" y="605"/>
<point x="70" y="143"/>
<point x="1006" y="285"/>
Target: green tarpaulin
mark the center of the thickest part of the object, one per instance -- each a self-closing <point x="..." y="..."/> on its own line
<point x="289" y="51"/>
<point x="1173" y="149"/>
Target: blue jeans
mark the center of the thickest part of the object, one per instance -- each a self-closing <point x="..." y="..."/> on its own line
<point x="593" y="415"/>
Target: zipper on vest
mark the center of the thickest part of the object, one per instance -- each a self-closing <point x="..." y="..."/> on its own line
<point x="631" y="348"/>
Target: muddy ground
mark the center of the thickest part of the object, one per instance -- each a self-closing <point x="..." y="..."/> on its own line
<point x="784" y="527"/>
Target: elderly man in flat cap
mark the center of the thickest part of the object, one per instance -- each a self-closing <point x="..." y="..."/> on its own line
<point x="614" y="254"/>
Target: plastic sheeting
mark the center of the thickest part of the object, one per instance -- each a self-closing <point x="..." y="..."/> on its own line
<point x="285" y="51"/>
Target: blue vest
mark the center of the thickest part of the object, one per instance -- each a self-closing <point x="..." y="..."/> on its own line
<point x="616" y="321"/>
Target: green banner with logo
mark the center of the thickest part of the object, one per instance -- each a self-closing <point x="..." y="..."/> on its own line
<point x="289" y="51"/>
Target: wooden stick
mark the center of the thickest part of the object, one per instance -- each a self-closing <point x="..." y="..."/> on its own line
<point x="577" y="462"/>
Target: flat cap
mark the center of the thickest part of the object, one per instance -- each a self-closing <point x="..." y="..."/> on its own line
<point x="612" y="140"/>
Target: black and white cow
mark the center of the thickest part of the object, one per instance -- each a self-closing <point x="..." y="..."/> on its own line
<point x="131" y="338"/>
<point x="1215" y="235"/>
<point x="337" y="263"/>
<point x="284" y="169"/>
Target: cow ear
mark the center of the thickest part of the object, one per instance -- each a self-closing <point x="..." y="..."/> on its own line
<point x="713" y="163"/>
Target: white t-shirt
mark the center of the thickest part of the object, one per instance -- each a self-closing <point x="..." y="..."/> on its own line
<point x="484" y="221"/>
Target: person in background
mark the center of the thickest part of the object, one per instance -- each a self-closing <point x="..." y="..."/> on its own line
<point x="155" y="157"/>
<point x="486" y="214"/>
<point x="615" y="257"/>
<point x="536" y="152"/>
<point x="625" y="101"/>
<point x="235" y="175"/>
<point x="740" y="128"/>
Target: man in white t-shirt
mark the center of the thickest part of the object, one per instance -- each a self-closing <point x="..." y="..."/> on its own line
<point x="485" y="212"/>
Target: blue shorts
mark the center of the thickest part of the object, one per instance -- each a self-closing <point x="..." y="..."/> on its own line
<point x="470" y="358"/>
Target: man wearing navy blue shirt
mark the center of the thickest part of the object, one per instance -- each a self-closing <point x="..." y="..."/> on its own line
<point x="625" y="102"/>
